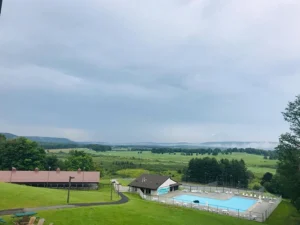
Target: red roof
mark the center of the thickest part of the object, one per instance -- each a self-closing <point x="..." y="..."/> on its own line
<point x="49" y="176"/>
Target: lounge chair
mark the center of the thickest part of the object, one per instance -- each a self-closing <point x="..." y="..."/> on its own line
<point x="32" y="220"/>
<point x="41" y="222"/>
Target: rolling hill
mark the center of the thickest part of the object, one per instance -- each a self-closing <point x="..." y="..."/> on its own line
<point x="41" y="139"/>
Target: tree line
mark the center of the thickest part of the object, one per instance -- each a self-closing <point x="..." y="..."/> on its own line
<point x="95" y="147"/>
<point x="24" y="154"/>
<point x="215" y="151"/>
<point x="224" y="172"/>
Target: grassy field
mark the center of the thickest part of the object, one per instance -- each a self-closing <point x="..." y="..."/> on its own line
<point x="137" y="212"/>
<point x="141" y="212"/>
<point x="155" y="162"/>
<point x="285" y="213"/>
<point x="19" y="196"/>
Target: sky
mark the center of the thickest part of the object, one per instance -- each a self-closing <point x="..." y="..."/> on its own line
<point x="141" y="71"/>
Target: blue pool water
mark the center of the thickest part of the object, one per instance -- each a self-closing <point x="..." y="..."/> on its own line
<point x="233" y="203"/>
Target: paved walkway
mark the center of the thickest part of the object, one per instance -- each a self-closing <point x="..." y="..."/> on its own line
<point x="123" y="200"/>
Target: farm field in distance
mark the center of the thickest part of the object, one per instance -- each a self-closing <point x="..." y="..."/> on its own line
<point x="163" y="162"/>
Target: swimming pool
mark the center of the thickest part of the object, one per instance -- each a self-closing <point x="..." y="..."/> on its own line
<point x="233" y="203"/>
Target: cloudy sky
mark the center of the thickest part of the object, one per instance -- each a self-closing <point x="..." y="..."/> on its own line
<point x="134" y="71"/>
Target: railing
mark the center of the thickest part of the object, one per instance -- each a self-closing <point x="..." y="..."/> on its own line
<point x="272" y="200"/>
<point x="235" y="212"/>
<point x="221" y="189"/>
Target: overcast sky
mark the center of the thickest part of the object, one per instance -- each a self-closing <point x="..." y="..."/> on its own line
<point x="133" y="71"/>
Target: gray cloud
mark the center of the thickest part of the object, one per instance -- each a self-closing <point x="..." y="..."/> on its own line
<point x="148" y="71"/>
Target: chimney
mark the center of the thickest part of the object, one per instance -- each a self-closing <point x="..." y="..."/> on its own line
<point x="58" y="170"/>
<point x="36" y="169"/>
<point x="79" y="170"/>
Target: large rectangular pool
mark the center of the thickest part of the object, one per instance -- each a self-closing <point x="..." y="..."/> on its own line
<point x="234" y="203"/>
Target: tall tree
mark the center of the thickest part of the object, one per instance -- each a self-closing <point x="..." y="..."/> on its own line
<point x="22" y="154"/>
<point x="79" y="159"/>
<point x="289" y="153"/>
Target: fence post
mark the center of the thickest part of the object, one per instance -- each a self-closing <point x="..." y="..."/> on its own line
<point x="190" y="188"/>
<point x="238" y="213"/>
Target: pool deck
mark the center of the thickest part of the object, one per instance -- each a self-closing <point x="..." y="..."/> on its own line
<point x="255" y="210"/>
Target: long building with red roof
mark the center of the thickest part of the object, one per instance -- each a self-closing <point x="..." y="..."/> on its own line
<point x="51" y="178"/>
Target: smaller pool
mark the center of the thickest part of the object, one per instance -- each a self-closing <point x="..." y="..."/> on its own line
<point x="234" y="203"/>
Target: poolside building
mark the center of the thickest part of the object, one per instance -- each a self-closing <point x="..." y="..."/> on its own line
<point x="55" y="179"/>
<point x="153" y="184"/>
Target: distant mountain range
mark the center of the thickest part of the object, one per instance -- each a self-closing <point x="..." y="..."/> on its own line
<point x="41" y="139"/>
<point x="225" y="144"/>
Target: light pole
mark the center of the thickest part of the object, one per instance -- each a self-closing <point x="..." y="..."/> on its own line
<point x="83" y="176"/>
<point x="70" y="179"/>
<point x="111" y="189"/>
<point x="48" y="176"/>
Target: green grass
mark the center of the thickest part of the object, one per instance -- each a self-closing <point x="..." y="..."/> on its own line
<point x="132" y="172"/>
<point x="166" y="164"/>
<point x="135" y="212"/>
<point x="125" y="182"/>
<point x="138" y="212"/>
<point x="284" y="214"/>
<point x="19" y="196"/>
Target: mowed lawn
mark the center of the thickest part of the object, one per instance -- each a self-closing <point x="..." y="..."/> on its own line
<point x="285" y="214"/>
<point x="135" y="212"/>
<point x="19" y="196"/>
<point x="138" y="212"/>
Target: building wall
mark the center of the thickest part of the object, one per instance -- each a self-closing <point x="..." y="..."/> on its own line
<point x="154" y="192"/>
<point x="167" y="183"/>
<point x="49" y="176"/>
<point x="165" y="187"/>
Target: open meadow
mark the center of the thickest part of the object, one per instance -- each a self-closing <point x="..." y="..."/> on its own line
<point x="168" y="162"/>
